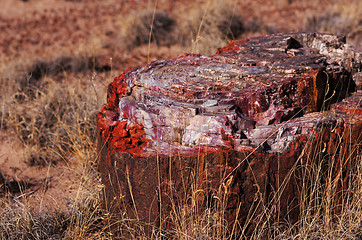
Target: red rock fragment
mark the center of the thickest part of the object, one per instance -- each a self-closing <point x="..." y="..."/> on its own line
<point x="231" y="47"/>
<point x="119" y="130"/>
<point x="351" y="105"/>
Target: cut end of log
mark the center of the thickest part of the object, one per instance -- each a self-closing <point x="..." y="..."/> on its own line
<point x="236" y="99"/>
<point x="245" y="118"/>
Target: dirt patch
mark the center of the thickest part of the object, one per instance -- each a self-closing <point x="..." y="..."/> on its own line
<point x="43" y="187"/>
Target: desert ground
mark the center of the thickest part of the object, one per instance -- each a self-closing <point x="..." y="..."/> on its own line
<point x="56" y="61"/>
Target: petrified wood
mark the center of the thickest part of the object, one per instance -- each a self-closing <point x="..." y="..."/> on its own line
<point x="230" y="126"/>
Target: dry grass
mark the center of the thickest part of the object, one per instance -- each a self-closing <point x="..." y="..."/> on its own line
<point x="55" y="119"/>
<point x="199" y="30"/>
<point x="212" y="26"/>
<point x="137" y="27"/>
<point x="330" y="206"/>
<point x="17" y="222"/>
<point x="330" y="202"/>
<point x="337" y="17"/>
<point x="321" y="217"/>
<point x="40" y="107"/>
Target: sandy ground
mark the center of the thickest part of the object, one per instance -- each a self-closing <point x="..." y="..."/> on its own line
<point x="54" y="186"/>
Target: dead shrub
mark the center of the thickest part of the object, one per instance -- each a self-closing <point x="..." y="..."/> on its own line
<point x="148" y="26"/>
<point x="45" y="121"/>
<point x="231" y="26"/>
<point x="329" y="23"/>
<point x="211" y="27"/>
<point x="43" y="109"/>
<point x="338" y="18"/>
<point x="31" y="84"/>
<point x="17" y="222"/>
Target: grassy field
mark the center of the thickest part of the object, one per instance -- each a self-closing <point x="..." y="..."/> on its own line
<point x="51" y="93"/>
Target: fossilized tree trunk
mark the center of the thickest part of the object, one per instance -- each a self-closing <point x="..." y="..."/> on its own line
<point x="234" y="126"/>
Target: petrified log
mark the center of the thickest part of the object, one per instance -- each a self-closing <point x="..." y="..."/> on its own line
<point x="233" y="125"/>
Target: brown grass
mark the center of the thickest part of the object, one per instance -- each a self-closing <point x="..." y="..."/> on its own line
<point x="55" y="119"/>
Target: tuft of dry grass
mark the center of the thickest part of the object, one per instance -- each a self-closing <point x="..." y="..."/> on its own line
<point x="212" y="26"/>
<point x="17" y="222"/>
<point x="330" y="205"/>
<point x="39" y="108"/>
<point x="199" y="30"/>
<point x="87" y="219"/>
<point x="55" y="119"/>
<point x="338" y="17"/>
<point x="136" y="29"/>
<point x="56" y="122"/>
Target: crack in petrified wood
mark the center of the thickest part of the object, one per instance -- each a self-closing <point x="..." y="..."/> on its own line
<point x="243" y="125"/>
<point x="197" y="103"/>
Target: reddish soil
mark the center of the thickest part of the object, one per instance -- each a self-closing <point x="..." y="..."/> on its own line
<point x="43" y="187"/>
<point x="47" y="29"/>
<point x="42" y="29"/>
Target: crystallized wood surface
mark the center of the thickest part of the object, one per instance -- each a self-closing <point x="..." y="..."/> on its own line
<point x="198" y="103"/>
<point x="242" y="125"/>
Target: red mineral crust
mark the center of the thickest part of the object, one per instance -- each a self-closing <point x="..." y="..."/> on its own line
<point x="241" y="119"/>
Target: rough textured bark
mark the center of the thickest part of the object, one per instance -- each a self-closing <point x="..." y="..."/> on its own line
<point x="240" y="119"/>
